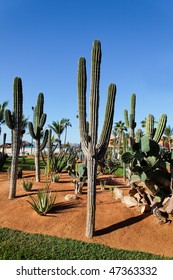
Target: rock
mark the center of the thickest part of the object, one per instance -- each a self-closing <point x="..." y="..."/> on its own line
<point x="70" y="197"/>
<point x="117" y="193"/>
<point x="168" y="205"/>
<point x="129" y="201"/>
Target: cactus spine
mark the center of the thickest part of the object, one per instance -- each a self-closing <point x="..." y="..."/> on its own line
<point x="36" y="132"/>
<point x="14" y="121"/>
<point x="92" y="148"/>
<point x="130" y="120"/>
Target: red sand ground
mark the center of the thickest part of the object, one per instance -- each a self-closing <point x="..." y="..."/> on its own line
<point x="116" y="225"/>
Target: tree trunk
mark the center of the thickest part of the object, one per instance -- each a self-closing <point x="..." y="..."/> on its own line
<point x="91" y="196"/>
<point x="37" y="160"/>
<point x="14" y="164"/>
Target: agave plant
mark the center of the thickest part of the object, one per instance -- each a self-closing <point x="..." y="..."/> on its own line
<point x="27" y="185"/>
<point x="44" y="202"/>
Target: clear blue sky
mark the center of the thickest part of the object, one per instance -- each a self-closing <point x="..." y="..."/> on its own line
<point x="42" y="40"/>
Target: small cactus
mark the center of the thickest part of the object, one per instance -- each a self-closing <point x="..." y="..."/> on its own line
<point x="36" y="129"/>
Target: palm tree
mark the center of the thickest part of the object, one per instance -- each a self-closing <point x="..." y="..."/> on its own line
<point x="66" y="125"/>
<point x="58" y="127"/>
<point x="118" y="128"/>
<point x="2" y="112"/>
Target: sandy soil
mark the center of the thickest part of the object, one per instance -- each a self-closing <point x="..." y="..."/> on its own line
<point x="116" y="225"/>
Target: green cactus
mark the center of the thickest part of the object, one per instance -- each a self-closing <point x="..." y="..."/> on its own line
<point x="130" y="119"/>
<point x="124" y="139"/>
<point x="14" y="121"/>
<point x="138" y="135"/>
<point x="160" y="128"/>
<point x="149" y="128"/>
<point x="36" y="130"/>
<point x="93" y="148"/>
<point x="151" y="131"/>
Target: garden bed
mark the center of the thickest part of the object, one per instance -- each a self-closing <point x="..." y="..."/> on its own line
<point x="116" y="225"/>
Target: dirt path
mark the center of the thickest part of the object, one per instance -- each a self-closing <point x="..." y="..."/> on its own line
<point x="116" y="225"/>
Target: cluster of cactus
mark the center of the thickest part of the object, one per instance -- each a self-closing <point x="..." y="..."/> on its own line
<point x="3" y="155"/>
<point x="130" y="118"/>
<point x="36" y="132"/>
<point x="150" y="165"/>
<point x="14" y="121"/>
<point x="151" y="131"/>
<point x="93" y="148"/>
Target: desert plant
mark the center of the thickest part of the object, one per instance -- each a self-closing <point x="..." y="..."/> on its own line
<point x="14" y="122"/>
<point x="130" y="119"/>
<point x="92" y="148"/>
<point x="36" y="130"/>
<point x="27" y="185"/>
<point x="79" y="173"/>
<point x="44" y="202"/>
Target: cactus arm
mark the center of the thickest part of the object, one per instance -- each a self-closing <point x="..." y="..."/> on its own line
<point x="94" y="95"/>
<point x="42" y="120"/>
<point x="82" y="103"/>
<point x="149" y="129"/>
<point x="31" y="130"/>
<point x="108" y="121"/>
<point x="126" y="119"/>
<point x="9" y="119"/>
<point x="45" y="138"/>
<point x="160" y="128"/>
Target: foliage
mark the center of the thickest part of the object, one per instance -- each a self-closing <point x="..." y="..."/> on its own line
<point x="149" y="162"/>
<point x="17" y="245"/>
<point x="44" y="203"/>
<point x="27" y="185"/>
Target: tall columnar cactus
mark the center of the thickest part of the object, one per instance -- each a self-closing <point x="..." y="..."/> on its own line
<point x="93" y="148"/>
<point x="155" y="133"/>
<point x="130" y="119"/>
<point x="14" y="121"/>
<point x="36" y="130"/>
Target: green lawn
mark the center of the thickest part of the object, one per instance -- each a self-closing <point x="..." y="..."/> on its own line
<point x="16" y="245"/>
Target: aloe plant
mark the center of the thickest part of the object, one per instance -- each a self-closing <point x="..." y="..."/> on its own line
<point x="44" y="202"/>
<point x="93" y="148"/>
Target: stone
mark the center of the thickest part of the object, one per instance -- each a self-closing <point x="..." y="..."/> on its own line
<point x="117" y="193"/>
<point x="70" y="197"/>
<point x="129" y="201"/>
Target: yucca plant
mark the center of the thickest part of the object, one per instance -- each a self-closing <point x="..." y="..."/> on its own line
<point x="44" y="202"/>
<point x="27" y="185"/>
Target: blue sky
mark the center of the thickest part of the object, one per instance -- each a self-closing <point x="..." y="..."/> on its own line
<point x="41" y="41"/>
